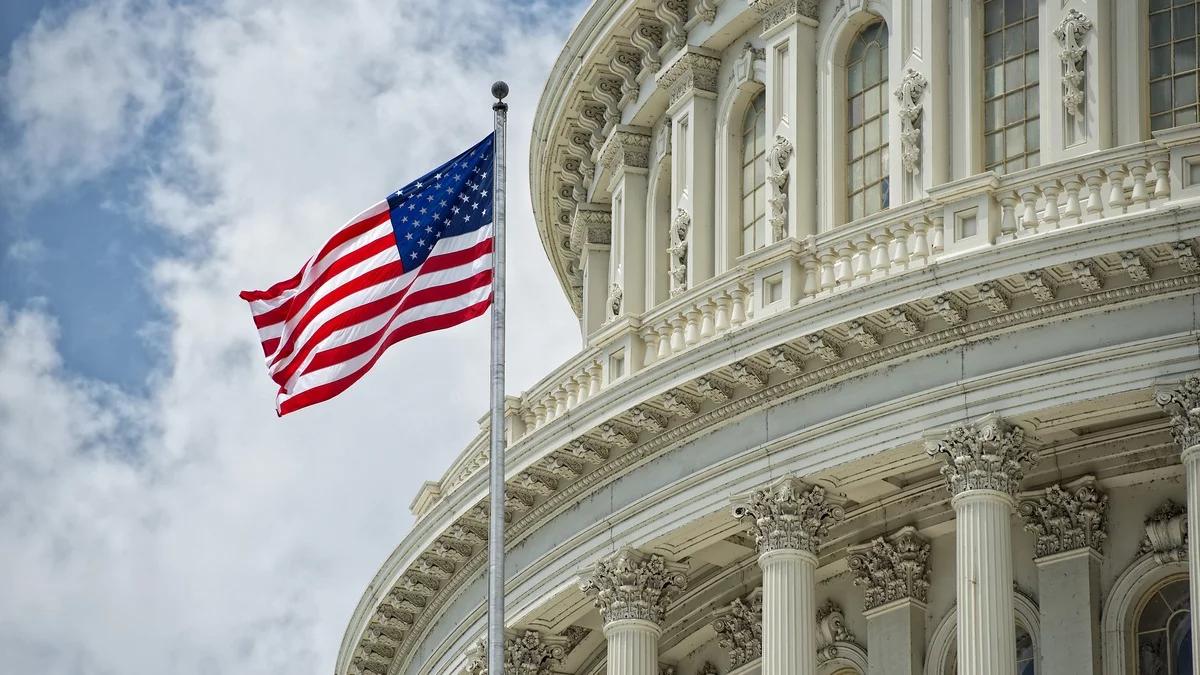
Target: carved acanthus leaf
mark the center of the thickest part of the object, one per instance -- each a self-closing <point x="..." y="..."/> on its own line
<point x="990" y="454"/>
<point x="714" y="389"/>
<point x="1041" y="285"/>
<point x="739" y="629"/>
<point x="1182" y="404"/>
<point x="1166" y="533"/>
<point x="786" y="360"/>
<point x="1067" y="519"/>
<point x="748" y="374"/>
<point x="905" y="320"/>
<point x="912" y="88"/>
<point x="950" y="309"/>
<point x="892" y="568"/>
<point x="789" y="515"/>
<point x="634" y="585"/>
<point x="994" y="297"/>
<point x="831" y="629"/>
<point x="1070" y="34"/>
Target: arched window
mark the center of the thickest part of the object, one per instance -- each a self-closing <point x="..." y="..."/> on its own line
<point x="1173" y="76"/>
<point x="754" y="176"/>
<point x="867" y="122"/>
<point x="1010" y="85"/>
<point x="1164" y="631"/>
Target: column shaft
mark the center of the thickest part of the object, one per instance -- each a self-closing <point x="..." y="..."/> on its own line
<point x="896" y="639"/>
<point x="986" y="635"/>
<point x="1069" y="589"/>
<point x="789" y="612"/>
<point x="632" y="647"/>
<point x="1191" y="466"/>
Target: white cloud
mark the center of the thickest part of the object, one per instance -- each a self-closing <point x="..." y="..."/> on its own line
<point x="192" y="531"/>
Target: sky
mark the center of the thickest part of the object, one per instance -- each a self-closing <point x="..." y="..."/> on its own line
<point x="157" y="157"/>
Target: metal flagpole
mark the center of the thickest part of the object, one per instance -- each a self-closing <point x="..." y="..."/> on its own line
<point x="495" y="639"/>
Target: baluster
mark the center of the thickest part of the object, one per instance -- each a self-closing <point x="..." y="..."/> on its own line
<point x="1116" y="195"/>
<point x="843" y="272"/>
<point x="1162" y="178"/>
<point x="1008" y="218"/>
<point x="937" y="234"/>
<point x="1029" y="221"/>
<point x="1095" y="205"/>
<point x="572" y="388"/>
<point x="738" y="315"/>
<point x="812" y="276"/>
<point x="539" y="415"/>
<point x="595" y="371"/>
<point x="664" y="340"/>
<point x="899" y="235"/>
<point x="920" y="248"/>
<point x="1072" y="210"/>
<point x="530" y="420"/>
<point x="1050" y="216"/>
<point x="560" y="398"/>
<point x="691" y="333"/>
<point x="722" y="320"/>
<point x="1140" y="197"/>
<point x="861" y="262"/>
<point x="706" y="319"/>
<point x="583" y="382"/>
<point x="650" y="346"/>
<point x="677" y="342"/>
<point x="879" y="254"/>
<point x="828" y="280"/>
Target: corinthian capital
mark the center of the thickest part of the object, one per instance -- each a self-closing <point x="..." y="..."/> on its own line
<point x="776" y="12"/>
<point x="990" y="454"/>
<point x="739" y="628"/>
<point x="892" y="568"/>
<point x="789" y="515"/>
<point x="1067" y="519"/>
<point x="526" y="653"/>
<point x="1183" y="405"/>
<point x="634" y="585"/>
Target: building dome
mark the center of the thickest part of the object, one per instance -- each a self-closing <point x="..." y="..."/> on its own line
<point x="890" y="352"/>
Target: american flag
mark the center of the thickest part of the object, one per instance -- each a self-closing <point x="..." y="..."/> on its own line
<point x="418" y="261"/>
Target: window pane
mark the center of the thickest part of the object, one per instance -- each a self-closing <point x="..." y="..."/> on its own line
<point x="1160" y="95"/>
<point x="993" y="81"/>
<point x="1014" y="73"/>
<point x="866" y="119"/>
<point x="993" y="48"/>
<point x="1031" y="67"/>
<point x="1014" y="142"/>
<point x="1184" y="21"/>
<point x="1032" y="142"/>
<point x="1185" y="116"/>
<point x="1031" y="103"/>
<point x="993" y="114"/>
<point x="1185" y="54"/>
<point x="1014" y="106"/>
<point x="1185" y="90"/>
<point x="1013" y="10"/>
<point x="1160" y="28"/>
<point x="993" y="13"/>
<point x="995" y="147"/>
<point x="1160" y="61"/>
<point x="872" y="134"/>
<point x="855" y="74"/>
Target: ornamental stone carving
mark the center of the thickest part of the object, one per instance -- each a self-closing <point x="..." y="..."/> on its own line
<point x="748" y="67"/>
<point x="831" y="629"/>
<point x="673" y="15"/>
<point x="1069" y="33"/>
<point x="1182" y="404"/>
<point x="615" y="299"/>
<point x="789" y="515"/>
<point x="691" y="71"/>
<point x="592" y="224"/>
<point x="634" y="585"/>
<point x="910" y="92"/>
<point x="647" y="38"/>
<point x="892" y="568"/>
<point x="1066" y="519"/>
<point x="990" y="454"/>
<point x="626" y="147"/>
<point x="627" y="64"/>
<point x="775" y="12"/>
<point x="678" y="251"/>
<point x="739" y="629"/>
<point x="778" y="156"/>
<point x="1166" y="533"/>
<point x="526" y="654"/>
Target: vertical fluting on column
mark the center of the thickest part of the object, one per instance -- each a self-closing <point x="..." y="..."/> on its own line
<point x="789" y="521"/>
<point x="985" y="463"/>
<point x="632" y="591"/>
<point x="1183" y="405"/>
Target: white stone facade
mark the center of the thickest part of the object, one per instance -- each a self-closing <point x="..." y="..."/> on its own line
<point x="960" y="434"/>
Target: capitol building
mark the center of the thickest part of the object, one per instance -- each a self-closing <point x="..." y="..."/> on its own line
<point x="890" y="325"/>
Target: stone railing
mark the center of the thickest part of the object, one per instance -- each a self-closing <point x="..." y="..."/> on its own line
<point x="893" y="242"/>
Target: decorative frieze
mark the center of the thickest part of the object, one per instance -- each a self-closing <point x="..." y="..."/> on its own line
<point x="778" y="156"/>
<point x="691" y="71"/>
<point x="789" y="515"/>
<point x="950" y="309"/>
<point x="863" y="335"/>
<point x="591" y="225"/>
<point x="739" y="629"/>
<point x="1182" y="404"/>
<point x="786" y="360"/>
<point x="626" y="147"/>
<point x="990" y="454"/>
<point x="713" y="389"/>
<point x="994" y="297"/>
<point x="1185" y="254"/>
<point x="824" y="348"/>
<point x="1066" y="519"/>
<point x="1070" y="34"/>
<point x="910" y="92"/>
<point x="681" y="226"/>
<point x="748" y="374"/>
<point x="1085" y="273"/>
<point x="775" y="12"/>
<point x="892" y="568"/>
<point x="905" y="321"/>
<point x="1041" y="286"/>
<point x="831" y="629"/>
<point x="1166" y="533"/>
<point x="634" y="585"/>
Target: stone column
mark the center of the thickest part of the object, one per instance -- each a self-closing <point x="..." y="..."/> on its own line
<point x="985" y="463"/>
<point x="1183" y="405"/>
<point x="690" y="81"/>
<point x="1071" y="525"/>
<point x="789" y="521"/>
<point x="591" y="235"/>
<point x="624" y="160"/>
<point x="632" y="591"/>
<point x="895" y="572"/>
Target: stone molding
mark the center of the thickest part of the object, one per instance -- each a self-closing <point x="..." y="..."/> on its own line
<point x="1066" y="519"/>
<point x="789" y="515"/>
<point x="1166" y="533"/>
<point x="591" y="224"/>
<point x="775" y="12"/>
<point x="990" y="454"/>
<point x="892" y="568"/>
<point x="626" y="147"/>
<point x="831" y="629"/>
<point x="526" y="653"/>
<point x="692" y="71"/>
<point x="1182" y="404"/>
<point x="634" y="585"/>
<point x="739" y="628"/>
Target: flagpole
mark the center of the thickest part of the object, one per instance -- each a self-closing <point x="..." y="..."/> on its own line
<point x="495" y="635"/>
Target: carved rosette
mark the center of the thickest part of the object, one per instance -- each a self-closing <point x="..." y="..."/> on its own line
<point x="1182" y="404"/>
<point x="1067" y="519"/>
<point x="1069" y="33"/>
<point x="831" y="629"/>
<point x="1166" y="533"/>
<point x="739" y="629"/>
<point x="892" y="568"/>
<point x="678" y="250"/>
<point x="910" y="92"/>
<point x="789" y="516"/>
<point x="775" y="12"/>
<point x="525" y="654"/>
<point x="988" y="455"/>
<point x="634" y="585"/>
<point x="777" y="175"/>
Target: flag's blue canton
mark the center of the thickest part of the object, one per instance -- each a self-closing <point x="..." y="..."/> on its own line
<point x="453" y="199"/>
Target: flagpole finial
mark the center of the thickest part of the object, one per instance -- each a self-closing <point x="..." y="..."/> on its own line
<point x="499" y="91"/>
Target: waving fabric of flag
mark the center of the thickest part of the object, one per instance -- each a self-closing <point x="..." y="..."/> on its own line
<point x="418" y="261"/>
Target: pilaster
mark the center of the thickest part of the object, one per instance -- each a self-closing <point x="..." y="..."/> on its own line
<point x="625" y="159"/>
<point x="690" y="81"/>
<point x="1182" y="404"/>
<point x="1077" y="78"/>
<point x="920" y="80"/>
<point x="895" y="573"/>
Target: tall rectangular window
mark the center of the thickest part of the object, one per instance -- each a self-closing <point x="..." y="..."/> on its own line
<point x="754" y="177"/>
<point x="1010" y="85"/>
<point x="1173" y="76"/>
